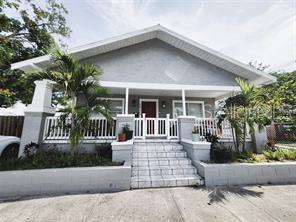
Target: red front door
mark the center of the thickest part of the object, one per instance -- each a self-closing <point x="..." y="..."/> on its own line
<point x="149" y="108"/>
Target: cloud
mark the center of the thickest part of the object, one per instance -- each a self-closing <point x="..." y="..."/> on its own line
<point x="263" y="31"/>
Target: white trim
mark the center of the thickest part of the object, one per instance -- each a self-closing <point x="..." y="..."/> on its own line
<point x="148" y="100"/>
<point x="189" y="101"/>
<point x="122" y="102"/>
<point x="126" y="100"/>
<point x="158" y="86"/>
<point x="183" y="103"/>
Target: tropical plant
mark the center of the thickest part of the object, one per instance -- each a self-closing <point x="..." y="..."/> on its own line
<point x="244" y="111"/>
<point x="81" y="94"/>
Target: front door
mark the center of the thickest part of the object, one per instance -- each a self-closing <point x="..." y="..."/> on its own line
<point x="149" y="108"/>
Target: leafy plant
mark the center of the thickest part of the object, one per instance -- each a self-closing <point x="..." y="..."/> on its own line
<point x="125" y="128"/>
<point x="82" y="95"/>
<point x="31" y="149"/>
<point x="53" y="158"/>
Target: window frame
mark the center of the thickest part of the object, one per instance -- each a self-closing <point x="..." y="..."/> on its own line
<point x="187" y="102"/>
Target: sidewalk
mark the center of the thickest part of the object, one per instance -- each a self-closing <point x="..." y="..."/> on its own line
<point x="266" y="203"/>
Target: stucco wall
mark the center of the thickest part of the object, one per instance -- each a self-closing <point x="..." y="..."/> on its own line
<point x="154" y="61"/>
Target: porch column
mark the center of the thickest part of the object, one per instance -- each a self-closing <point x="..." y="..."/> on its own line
<point x="36" y="113"/>
<point x="183" y="102"/>
<point x="126" y="100"/>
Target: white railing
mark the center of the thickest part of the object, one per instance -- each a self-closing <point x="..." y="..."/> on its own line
<point x="210" y="125"/>
<point x="156" y="127"/>
<point x="99" y="129"/>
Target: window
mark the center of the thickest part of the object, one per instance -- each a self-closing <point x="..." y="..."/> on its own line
<point x="193" y="108"/>
<point x="116" y="106"/>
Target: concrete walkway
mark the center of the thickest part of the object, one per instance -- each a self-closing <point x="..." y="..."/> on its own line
<point x="266" y="203"/>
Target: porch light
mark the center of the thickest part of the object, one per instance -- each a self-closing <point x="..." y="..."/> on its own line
<point x="163" y="104"/>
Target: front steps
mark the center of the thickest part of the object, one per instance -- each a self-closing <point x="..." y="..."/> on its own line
<point x="162" y="164"/>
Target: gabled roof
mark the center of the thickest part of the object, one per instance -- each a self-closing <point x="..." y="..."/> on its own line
<point x="211" y="56"/>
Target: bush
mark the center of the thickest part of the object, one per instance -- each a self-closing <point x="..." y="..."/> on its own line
<point x="104" y="150"/>
<point x="31" y="149"/>
<point x="277" y="154"/>
<point x="53" y="158"/>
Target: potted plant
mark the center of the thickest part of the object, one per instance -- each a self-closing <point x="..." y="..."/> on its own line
<point x="195" y="134"/>
<point x="122" y="136"/>
<point x="128" y="132"/>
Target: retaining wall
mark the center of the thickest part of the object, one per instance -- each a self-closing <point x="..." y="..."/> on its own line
<point x="247" y="173"/>
<point x="64" y="180"/>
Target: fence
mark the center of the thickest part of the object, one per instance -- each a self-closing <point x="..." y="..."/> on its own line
<point x="11" y="125"/>
<point x="281" y="132"/>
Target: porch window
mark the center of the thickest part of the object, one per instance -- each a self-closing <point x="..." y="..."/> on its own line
<point x="193" y="108"/>
<point x="116" y="106"/>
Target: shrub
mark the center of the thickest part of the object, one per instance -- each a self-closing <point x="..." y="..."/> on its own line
<point x="53" y="158"/>
<point x="104" y="150"/>
<point x="280" y="154"/>
<point x="31" y="149"/>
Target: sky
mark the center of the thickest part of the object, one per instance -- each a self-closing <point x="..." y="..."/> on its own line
<point x="247" y="30"/>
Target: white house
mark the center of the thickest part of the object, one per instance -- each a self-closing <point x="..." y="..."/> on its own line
<point x="162" y="83"/>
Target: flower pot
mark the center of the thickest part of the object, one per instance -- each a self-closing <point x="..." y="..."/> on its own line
<point x="195" y="137"/>
<point x="121" y="137"/>
<point x="129" y="134"/>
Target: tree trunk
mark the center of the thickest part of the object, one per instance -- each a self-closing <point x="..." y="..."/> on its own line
<point x="245" y="137"/>
<point x="234" y="140"/>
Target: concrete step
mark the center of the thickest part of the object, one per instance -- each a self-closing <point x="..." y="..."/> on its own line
<point x="164" y="170"/>
<point x="158" y="154"/>
<point x="166" y="181"/>
<point x="158" y="148"/>
<point x="161" y="161"/>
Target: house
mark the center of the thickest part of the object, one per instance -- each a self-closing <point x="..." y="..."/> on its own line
<point x="161" y="83"/>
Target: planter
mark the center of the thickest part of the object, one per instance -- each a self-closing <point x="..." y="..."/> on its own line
<point x="195" y="137"/>
<point x="121" y="137"/>
<point x="129" y="134"/>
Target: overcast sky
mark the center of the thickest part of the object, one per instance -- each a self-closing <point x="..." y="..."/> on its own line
<point x="262" y="30"/>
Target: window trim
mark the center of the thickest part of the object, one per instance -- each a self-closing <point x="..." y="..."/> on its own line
<point x="119" y="99"/>
<point x="189" y="101"/>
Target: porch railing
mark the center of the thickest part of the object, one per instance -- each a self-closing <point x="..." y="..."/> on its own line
<point x="210" y="125"/>
<point x="99" y="129"/>
<point x="156" y="127"/>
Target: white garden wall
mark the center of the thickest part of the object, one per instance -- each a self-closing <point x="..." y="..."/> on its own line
<point x="64" y="180"/>
<point x="247" y="173"/>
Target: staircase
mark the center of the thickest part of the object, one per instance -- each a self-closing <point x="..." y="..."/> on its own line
<point x="162" y="164"/>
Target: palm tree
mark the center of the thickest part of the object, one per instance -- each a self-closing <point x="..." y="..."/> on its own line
<point x="241" y="113"/>
<point x="81" y="93"/>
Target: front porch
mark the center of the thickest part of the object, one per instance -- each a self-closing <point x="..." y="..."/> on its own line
<point x="154" y="110"/>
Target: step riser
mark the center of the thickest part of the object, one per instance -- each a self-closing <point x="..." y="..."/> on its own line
<point x="163" y="183"/>
<point x="145" y="155"/>
<point x="161" y="162"/>
<point x="162" y="172"/>
<point x="144" y="149"/>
